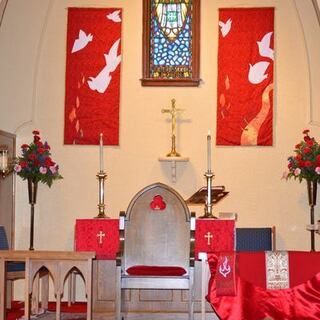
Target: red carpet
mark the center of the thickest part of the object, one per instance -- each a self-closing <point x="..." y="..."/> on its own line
<point x="17" y="309"/>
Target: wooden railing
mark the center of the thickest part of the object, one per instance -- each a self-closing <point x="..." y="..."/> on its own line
<point x="58" y="264"/>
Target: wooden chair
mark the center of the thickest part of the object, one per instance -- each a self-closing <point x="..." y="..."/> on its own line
<point x="156" y="244"/>
<point x="14" y="270"/>
<point x="256" y="239"/>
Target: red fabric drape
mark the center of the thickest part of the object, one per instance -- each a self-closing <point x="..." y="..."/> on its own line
<point x="254" y="302"/>
<point x="99" y="235"/>
<point x="92" y="76"/>
<point x="214" y="235"/>
<point x="245" y="76"/>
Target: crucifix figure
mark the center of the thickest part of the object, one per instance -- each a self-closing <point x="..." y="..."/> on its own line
<point x="101" y="235"/>
<point x="208" y="236"/>
<point x="174" y="112"/>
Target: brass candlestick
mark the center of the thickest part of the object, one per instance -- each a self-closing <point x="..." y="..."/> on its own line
<point x="101" y="206"/>
<point x="208" y="206"/>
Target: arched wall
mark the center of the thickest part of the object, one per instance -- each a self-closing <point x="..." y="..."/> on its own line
<point x="32" y="75"/>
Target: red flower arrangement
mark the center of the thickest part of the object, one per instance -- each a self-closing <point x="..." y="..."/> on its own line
<point x="35" y="162"/>
<point x="305" y="164"/>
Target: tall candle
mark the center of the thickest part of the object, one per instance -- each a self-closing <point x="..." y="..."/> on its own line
<point x="209" y="151"/>
<point x="101" y="152"/>
<point x="4" y="160"/>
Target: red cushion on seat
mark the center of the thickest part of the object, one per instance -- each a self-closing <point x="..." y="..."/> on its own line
<point x="156" y="271"/>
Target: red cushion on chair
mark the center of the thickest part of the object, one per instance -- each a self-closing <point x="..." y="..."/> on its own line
<point x="156" y="271"/>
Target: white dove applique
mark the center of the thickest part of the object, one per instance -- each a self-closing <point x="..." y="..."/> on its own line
<point x="225" y="27"/>
<point x="264" y="46"/>
<point x="82" y="41"/>
<point x="101" y="82"/>
<point x="257" y="72"/>
<point x="114" y="16"/>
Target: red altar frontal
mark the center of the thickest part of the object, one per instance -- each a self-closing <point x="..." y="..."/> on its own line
<point x="102" y="236"/>
<point x="214" y="235"/>
<point x="99" y="235"/>
<point x="265" y="285"/>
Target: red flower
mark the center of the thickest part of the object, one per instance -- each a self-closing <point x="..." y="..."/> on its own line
<point x="32" y="156"/>
<point x="297" y="146"/>
<point x="298" y="156"/>
<point x="23" y="164"/>
<point x="306" y="150"/>
<point x="318" y="158"/>
<point x="310" y="142"/>
<point x="35" y="161"/>
<point x="48" y="162"/>
<point x="290" y="165"/>
<point x="306" y="138"/>
<point x="306" y="131"/>
<point x="308" y="163"/>
<point x="301" y="164"/>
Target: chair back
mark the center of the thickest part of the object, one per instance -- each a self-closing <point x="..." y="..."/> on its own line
<point x="3" y="239"/>
<point x="157" y="229"/>
<point x="255" y="239"/>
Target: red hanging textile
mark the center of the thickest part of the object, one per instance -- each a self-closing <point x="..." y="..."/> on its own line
<point x="92" y="76"/>
<point x="245" y="76"/>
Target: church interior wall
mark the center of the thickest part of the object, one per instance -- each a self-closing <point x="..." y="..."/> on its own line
<point x="32" y="90"/>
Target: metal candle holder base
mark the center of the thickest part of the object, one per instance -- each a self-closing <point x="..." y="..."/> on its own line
<point x="173" y="152"/>
<point x="101" y="206"/>
<point x="208" y="207"/>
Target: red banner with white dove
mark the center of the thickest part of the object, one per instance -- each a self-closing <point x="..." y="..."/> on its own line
<point x="245" y="76"/>
<point x="93" y="76"/>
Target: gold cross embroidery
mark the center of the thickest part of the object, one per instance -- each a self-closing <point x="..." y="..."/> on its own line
<point x="100" y="235"/>
<point x="208" y="236"/>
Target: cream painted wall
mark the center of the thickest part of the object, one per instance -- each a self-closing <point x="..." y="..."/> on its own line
<point x="32" y="74"/>
<point x="311" y="31"/>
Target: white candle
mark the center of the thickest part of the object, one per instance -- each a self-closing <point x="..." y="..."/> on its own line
<point x="209" y="151"/>
<point x="4" y="160"/>
<point x="101" y="152"/>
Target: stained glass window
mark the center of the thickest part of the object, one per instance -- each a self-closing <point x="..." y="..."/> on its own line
<point x="171" y="43"/>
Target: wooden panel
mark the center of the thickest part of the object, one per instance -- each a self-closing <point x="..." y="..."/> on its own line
<point x="155" y="295"/>
<point x="3" y="5"/>
<point x="7" y="190"/>
<point x="103" y="294"/>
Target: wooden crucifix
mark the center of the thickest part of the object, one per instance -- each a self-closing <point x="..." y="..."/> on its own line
<point x="174" y="112"/>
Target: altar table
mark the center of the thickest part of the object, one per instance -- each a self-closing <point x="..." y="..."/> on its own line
<point x="289" y="295"/>
<point x="58" y="263"/>
<point x="102" y="236"/>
